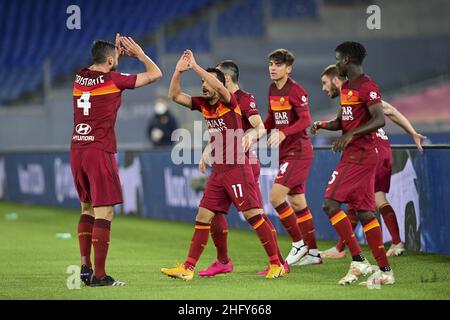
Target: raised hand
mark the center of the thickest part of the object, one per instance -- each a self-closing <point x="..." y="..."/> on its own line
<point x="190" y="57"/>
<point x="119" y="48"/>
<point x="131" y="47"/>
<point x="182" y="64"/>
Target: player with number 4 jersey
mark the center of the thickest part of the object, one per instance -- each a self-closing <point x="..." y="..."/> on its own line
<point x="97" y="95"/>
<point x="289" y="114"/>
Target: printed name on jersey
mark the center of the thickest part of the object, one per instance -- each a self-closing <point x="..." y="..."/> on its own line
<point x="281" y="118"/>
<point x="89" y="81"/>
<point x="216" y="125"/>
<point x="347" y="113"/>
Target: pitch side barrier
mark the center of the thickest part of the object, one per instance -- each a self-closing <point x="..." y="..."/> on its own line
<point x="154" y="187"/>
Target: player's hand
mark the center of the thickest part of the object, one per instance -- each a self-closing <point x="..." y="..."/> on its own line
<point x="204" y="161"/>
<point x="315" y="127"/>
<point x="119" y="47"/>
<point x="131" y="47"/>
<point x="182" y="64"/>
<point x="276" y="139"/>
<point x="247" y="141"/>
<point x="342" y="142"/>
<point x="190" y="57"/>
<point x="418" y="138"/>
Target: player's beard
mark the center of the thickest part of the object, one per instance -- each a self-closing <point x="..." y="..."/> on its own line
<point x="209" y="95"/>
<point x="334" y="92"/>
<point x="114" y="67"/>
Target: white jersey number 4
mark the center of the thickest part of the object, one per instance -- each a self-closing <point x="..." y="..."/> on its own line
<point x="83" y="103"/>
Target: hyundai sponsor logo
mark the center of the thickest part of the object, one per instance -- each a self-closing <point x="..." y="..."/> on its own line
<point x="83" y="129"/>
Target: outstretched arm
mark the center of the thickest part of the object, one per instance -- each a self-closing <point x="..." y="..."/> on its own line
<point x="175" y="92"/>
<point x="152" y="73"/>
<point x="332" y="125"/>
<point x="398" y="118"/>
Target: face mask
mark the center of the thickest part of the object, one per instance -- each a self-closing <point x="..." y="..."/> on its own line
<point x="160" y="108"/>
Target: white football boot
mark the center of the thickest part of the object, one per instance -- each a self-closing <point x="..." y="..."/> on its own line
<point x="379" y="278"/>
<point x="356" y="270"/>
<point x="298" y="251"/>
<point x="313" y="257"/>
<point x="396" y="249"/>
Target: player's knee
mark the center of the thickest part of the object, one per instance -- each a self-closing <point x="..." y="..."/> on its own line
<point x="276" y="199"/>
<point x="365" y="216"/>
<point x="248" y="214"/>
<point x="329" y="207"/>
<point x="204" y="215"/>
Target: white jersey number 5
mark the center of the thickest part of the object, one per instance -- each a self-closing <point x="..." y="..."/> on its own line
<point x="84" y="103"/>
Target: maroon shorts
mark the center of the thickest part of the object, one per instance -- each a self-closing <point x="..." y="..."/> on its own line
<point x="96" y="177"/>
<point x="384" y="169"/>
<point x="353" y="183"/>
<point x="236" y="185"/>
<point x="293" y="174"/>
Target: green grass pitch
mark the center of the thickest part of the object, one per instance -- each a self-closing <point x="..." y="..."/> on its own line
<point x="33" y="264"/>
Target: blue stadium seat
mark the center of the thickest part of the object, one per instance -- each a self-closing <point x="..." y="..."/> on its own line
<point x="244" y="20"/>
<point x="195" y="38"/>
<point x="33" y="31"/>
<point x="294" y="9"/>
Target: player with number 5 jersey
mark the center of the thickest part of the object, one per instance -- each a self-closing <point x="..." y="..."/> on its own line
<point x="289" y="114"/>
<point x="353" y="180"/>
<point x="97" y="96"/>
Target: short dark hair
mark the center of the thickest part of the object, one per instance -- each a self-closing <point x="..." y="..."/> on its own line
<point x="101" y="49"/>
<point x="231" y="68"/>
<point x="354" y="50"/>
<point x="219" y="74"/>
<point x="282" y="56"/>
<point x="331" y="72"/>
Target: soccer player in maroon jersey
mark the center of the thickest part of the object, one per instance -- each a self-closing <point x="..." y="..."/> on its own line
<point x="353" y="180"/>
<point x="331" y="84"/>
<point x="289" y="113"/>
<point x="97" y="95"/>
<point x="253" y="126"/>
<point x="232" y="178"/>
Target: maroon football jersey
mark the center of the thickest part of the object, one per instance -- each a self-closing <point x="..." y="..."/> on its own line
<point x="222" y="120"/>
<point x="96" y="99"/>
<point x="283" y="106"/>
<point x="248" y="106"/>
<point x="356" y="98"/>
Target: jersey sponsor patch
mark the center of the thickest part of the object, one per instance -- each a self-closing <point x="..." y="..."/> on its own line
<point x="83" y="129"/>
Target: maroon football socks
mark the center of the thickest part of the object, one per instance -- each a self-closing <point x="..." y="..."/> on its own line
<point x="100" y="240"/>
<point x="85" y="226"/>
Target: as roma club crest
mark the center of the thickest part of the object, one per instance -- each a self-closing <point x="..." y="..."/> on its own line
<point x="350" y="94"/>
<point x="282" y="100"/>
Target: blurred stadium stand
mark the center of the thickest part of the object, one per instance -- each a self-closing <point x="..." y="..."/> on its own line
<point x="39" y="55"/>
